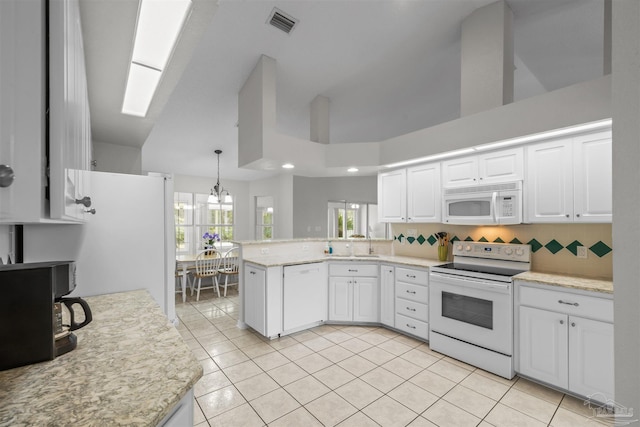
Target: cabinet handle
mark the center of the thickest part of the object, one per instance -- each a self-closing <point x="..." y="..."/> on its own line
<point x="411" y="309"/>
<point x="410" y="276"/>
<point x="573" y="324"/>
<point x="578" y="215"/>
<point x="409" y="326"/>
<point x="252" y="272"/>
<point x="6" y="176"/>
<point x="562" y="322"/>
<point x="575" y="304"/>
<point x="352" y="271"/>
<point x="92" y="211"/>
<point x="567" y="215"/>
<point x="411" y="292"/>
<point x="85" y="201"/>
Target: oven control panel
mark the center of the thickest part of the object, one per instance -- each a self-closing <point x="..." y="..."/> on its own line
<point x="499" y="251"/>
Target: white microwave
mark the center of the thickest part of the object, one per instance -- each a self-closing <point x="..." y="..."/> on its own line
<point x="483" y="204"/>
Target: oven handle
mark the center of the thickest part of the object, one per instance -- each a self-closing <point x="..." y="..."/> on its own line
<point x="471" y="282"/>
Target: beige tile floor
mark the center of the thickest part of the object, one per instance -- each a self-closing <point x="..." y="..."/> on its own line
<point x="350" y="376"/>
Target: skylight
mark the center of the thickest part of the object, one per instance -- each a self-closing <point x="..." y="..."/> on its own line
<point x="159" y="26"/>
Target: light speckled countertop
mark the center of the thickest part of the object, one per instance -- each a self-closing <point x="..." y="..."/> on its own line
<point x="582" y="283"/>
<point x="131" y="367"/>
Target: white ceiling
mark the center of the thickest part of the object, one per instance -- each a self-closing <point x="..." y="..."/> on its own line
<point x="388" y="67"/>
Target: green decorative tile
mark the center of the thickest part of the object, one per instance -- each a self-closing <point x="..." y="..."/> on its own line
<point x="554" y="246"/>
<point x="400" y="237"/>
<point x="454" y="239"/>
<point x="600" y="249"/>
<point x="573" y="247"/>
<point x="431" y="239"/>
<point x="535" y="245"/>
<point x="468" y="239"/>
<point x="498" y="240"/>
<point x="482" y="239"/>
<point x="516" y="241"/>
<point x="411" y="239"/>
<point x="421" y="239"/>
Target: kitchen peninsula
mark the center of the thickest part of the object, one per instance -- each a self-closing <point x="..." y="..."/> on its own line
<point x="131" y="367"/>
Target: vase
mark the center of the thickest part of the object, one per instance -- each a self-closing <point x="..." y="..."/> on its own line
<point x="443" y="251"/>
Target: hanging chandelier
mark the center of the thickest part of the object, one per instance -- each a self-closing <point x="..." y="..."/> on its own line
<point x="218" y="191"/>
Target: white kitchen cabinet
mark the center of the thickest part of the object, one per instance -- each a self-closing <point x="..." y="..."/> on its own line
<point x="410" y="195"/>
<point x="22" y="107"/>
<point x="305" y="295"/>
<point x="566" y="340"/>
<point x="181" y="414"/>
<point x="255" y="298"/>
<point x="353" y="292"/>
<point x="387" y="295"/>
<point x="392" y="196"/>
<point x="569" y="180"/>
<point x="411" y="301"/>
<point x="487" y="168"/>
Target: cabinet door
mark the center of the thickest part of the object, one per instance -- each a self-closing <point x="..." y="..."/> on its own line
<point x="341" y="299"/>
<point x="591" y="363"/>
<point x="593" y="174"/>
<point x="501" y="166"/>
<point x="365" y="299"/>
<point x="543" y="346"/>
<point x="549" y="183"/>
<point x="255" y="298"/>
<point x="460" y="172"/>
<point x="392" y="196"/>
<point x="387" y="295"/>
<point x="305" y="295"/>
<point x="423" y="193"/>
<point x="22" y="110"/>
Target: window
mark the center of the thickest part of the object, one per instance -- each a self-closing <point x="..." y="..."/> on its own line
<point x="264" y="218"/>
<point x="354" y="220"/>
<point x="194" y="216"/>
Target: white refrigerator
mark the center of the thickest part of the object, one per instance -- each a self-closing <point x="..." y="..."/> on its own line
<point x="128" y="244"/>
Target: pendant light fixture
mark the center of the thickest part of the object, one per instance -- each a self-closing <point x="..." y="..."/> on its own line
<point x="217" y="191"/>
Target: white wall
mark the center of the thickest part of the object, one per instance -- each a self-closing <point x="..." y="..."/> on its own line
<point x="117" y="158"/>
<point x="239" y="191"/>
<point x="281" y="189"/>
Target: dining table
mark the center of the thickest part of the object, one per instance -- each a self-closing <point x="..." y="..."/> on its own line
<point x="184" y="262"/>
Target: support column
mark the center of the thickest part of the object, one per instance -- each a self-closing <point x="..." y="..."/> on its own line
<point x="320" y="119"/>
<point x="487" y="59"/>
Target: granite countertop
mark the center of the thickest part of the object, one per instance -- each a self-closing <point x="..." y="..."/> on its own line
<point x="131" y="367"/>
<point x="302" y="258"/>
<point x="582" y="283"/>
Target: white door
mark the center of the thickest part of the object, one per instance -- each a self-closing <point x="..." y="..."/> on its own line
<point x="341" y="299"/>
<point x="543" y="346"/>
<point x="501" y="166"/>
<point x="591" y="367"/>
<point x="365" y="299"/>
<point x="423" y="193"/>
<point x="255" y="298"/>
<point x="549" y="183"/>
<point x="460" y="172"/>
<point x="593" y="174"/>
<point x="387" y="295"/>
<point x="392" y="196"/>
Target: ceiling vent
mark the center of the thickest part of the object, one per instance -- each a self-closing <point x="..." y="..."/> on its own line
<point x="281" y="20"/>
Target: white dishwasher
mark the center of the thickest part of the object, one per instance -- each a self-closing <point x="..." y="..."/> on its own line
<point x="305" y="295"/>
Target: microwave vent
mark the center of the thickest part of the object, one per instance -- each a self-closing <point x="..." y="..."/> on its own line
<point x="281" y="20"/>
<point x="507" y="186"/>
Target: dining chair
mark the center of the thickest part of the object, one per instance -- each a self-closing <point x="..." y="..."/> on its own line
<point x="207" y="266"/>
<point x="229" y="267"/>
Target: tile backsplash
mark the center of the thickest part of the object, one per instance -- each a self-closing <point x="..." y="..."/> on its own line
<point x="554" y="246"/>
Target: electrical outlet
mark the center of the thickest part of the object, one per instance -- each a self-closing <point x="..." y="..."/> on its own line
<point x="581" y="252"/>
<point x="412" y="232"/>
<point x="264" y="251"/>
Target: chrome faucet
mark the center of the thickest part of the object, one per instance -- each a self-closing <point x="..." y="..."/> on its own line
<point x="370" y="247"/>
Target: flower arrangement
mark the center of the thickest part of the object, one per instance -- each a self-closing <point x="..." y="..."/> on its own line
<point x="210" y="239"/>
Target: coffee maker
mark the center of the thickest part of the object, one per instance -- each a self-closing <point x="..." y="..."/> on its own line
<point x="33" y="312"/>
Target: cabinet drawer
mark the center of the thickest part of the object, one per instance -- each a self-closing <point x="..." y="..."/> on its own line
<point x="353" y="269"/>
<point x="412" y="309"/>
<point x="569" y="303"/>
<point x="412" y="326"/>
<point x="411" y="292"/>
<point x="409" y="275"/>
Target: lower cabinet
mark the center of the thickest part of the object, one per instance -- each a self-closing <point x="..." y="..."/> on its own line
<point x="353" y="293"/>
<point x="411" y="301"/>
<point x="566" y="340"/>
<point x="387" y="295"/>
<point x="255" y="297"/>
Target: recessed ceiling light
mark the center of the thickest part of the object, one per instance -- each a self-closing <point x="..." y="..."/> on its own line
<point x="288" y="166"/>
<point x="352" y="170"/>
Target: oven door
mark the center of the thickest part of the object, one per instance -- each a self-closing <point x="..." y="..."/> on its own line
<point x="473" y="310"/>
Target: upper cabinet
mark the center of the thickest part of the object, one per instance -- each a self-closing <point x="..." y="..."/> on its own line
<point x="570" y="179"/>
<point x="410" y="195"/>
<point x="486" y="168"/>
<point x="70" y="125"/>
